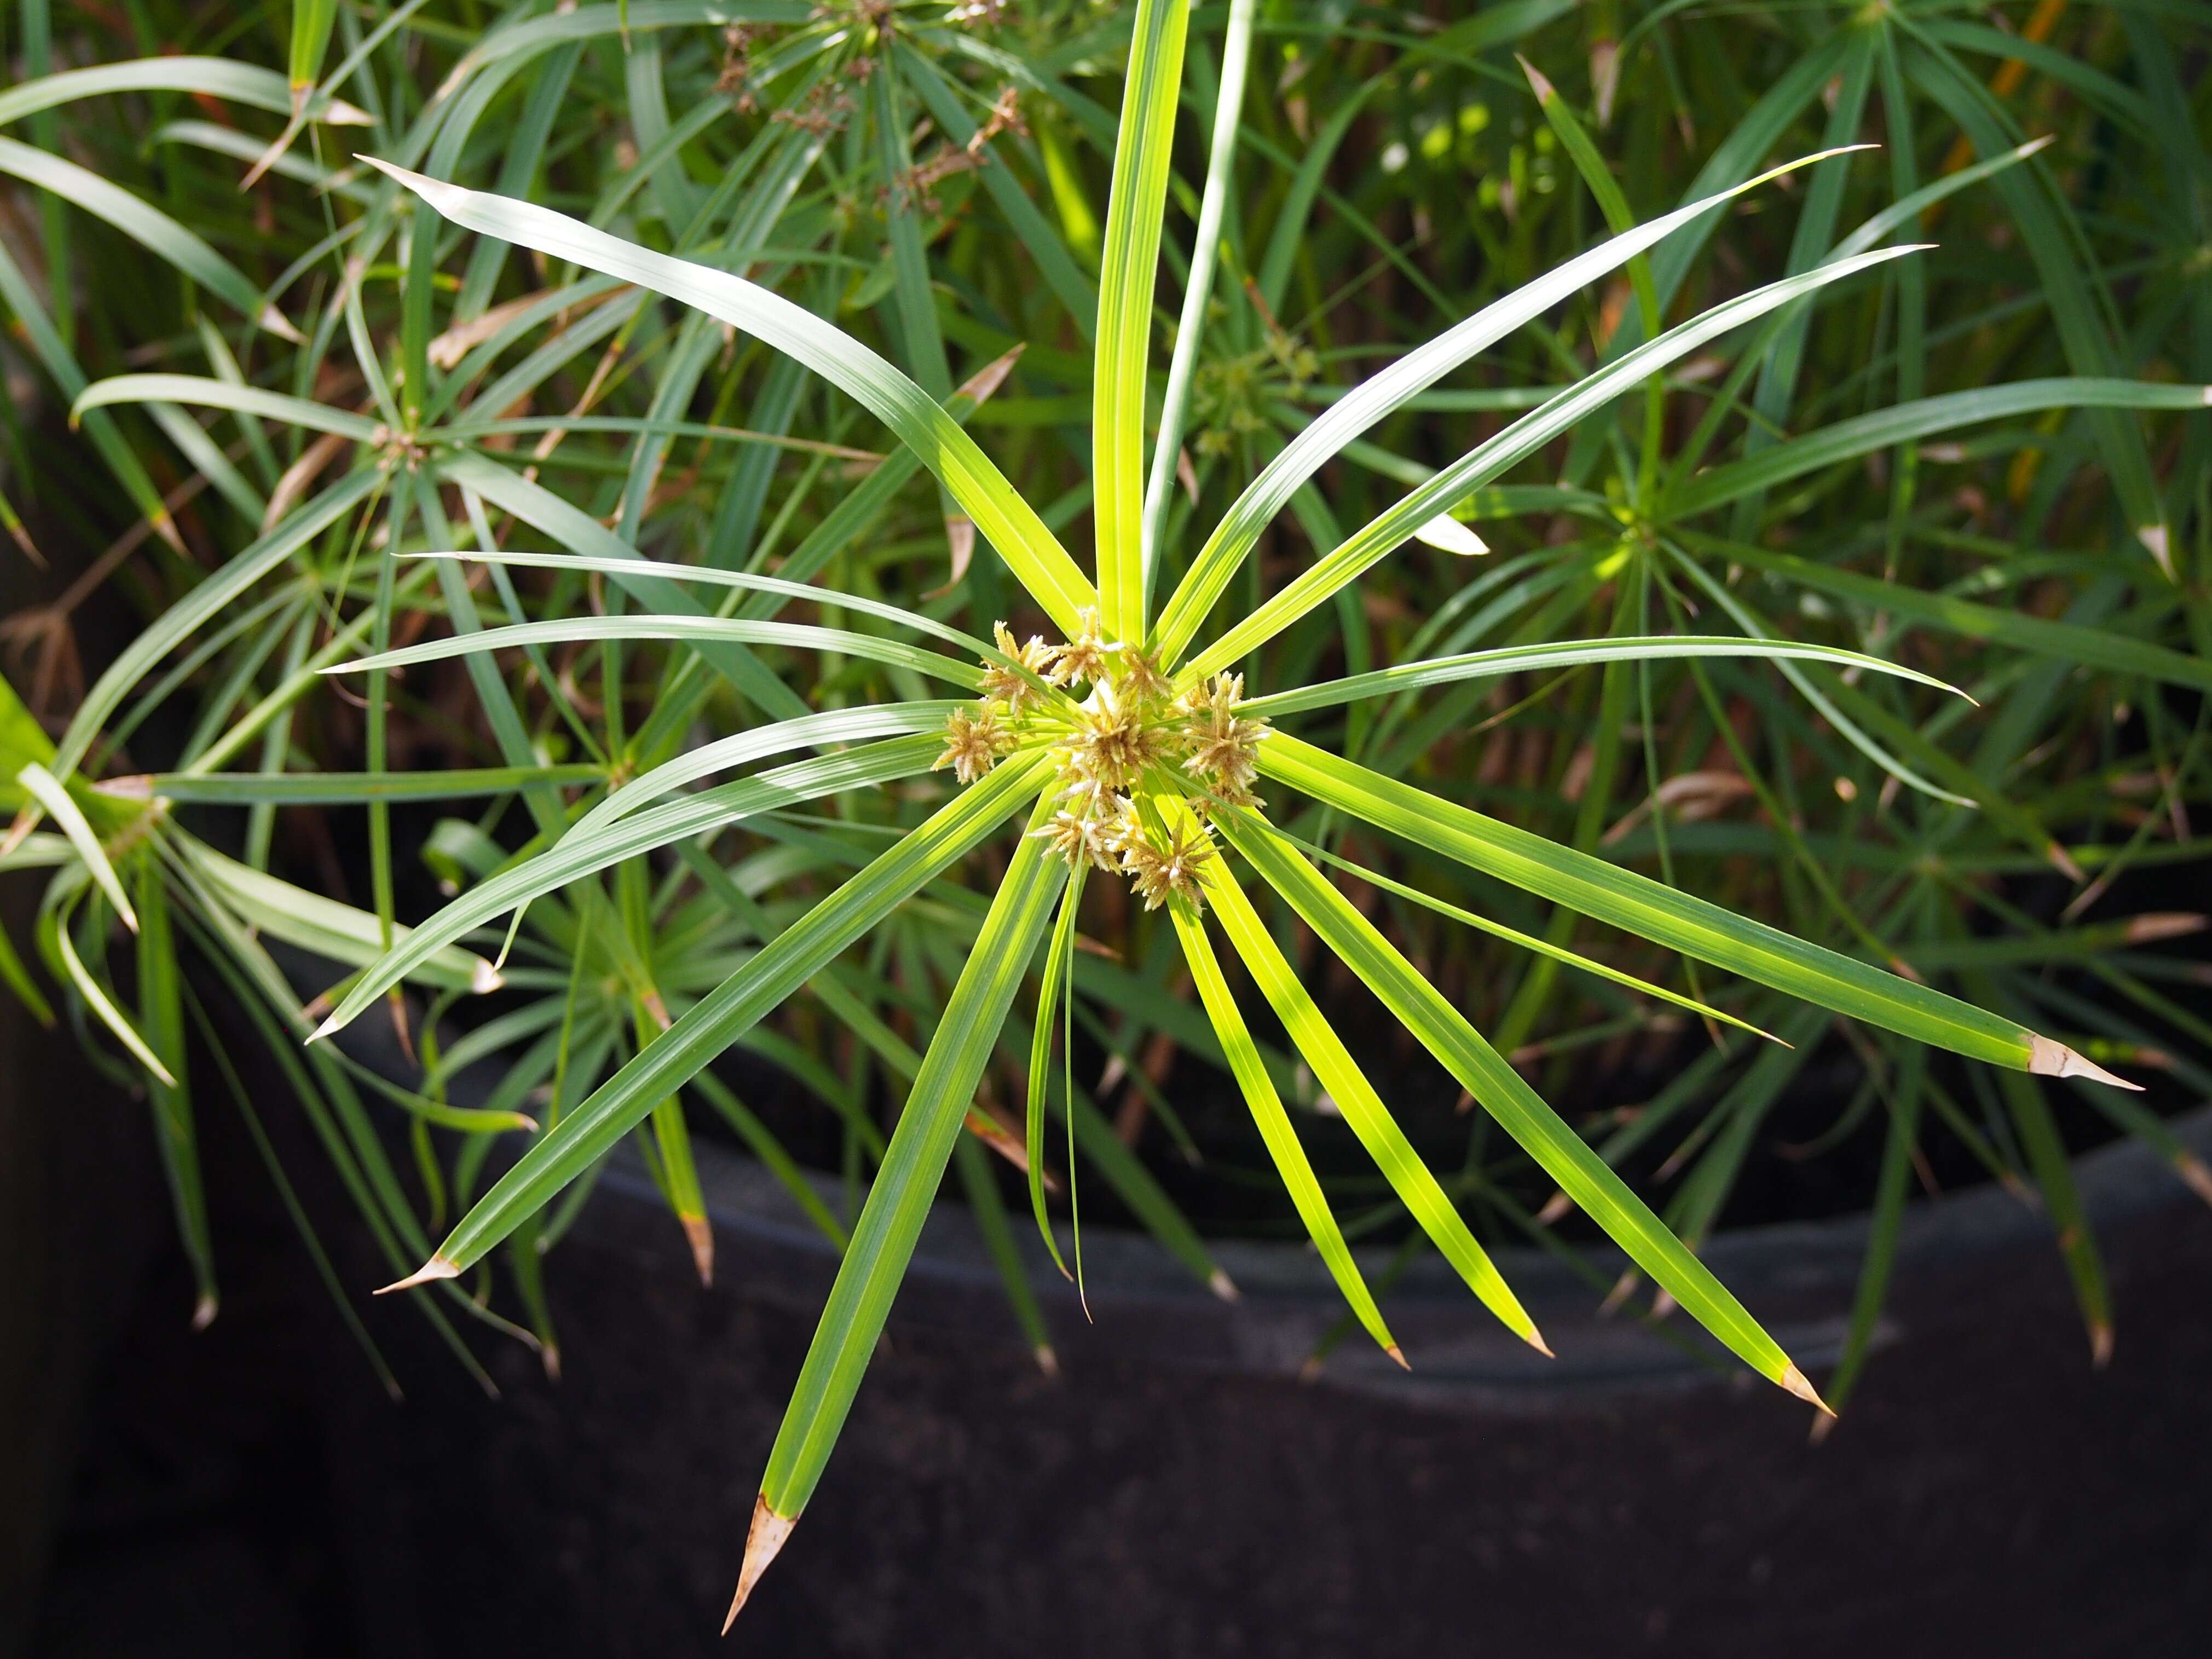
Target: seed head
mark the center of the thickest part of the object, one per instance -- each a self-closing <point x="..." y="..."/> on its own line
<point x="1016" y="690"/>
<point x="1083" y="658"/>
<point x="1138" y="679"/>
<point x="1113" y="742"/>
<point x="1164" y="865"/>
<point x="1223" y="750"/>
<point x="1084" y="835"/>
<point x="1132" y="724"/>
<point x="974" y="740"/>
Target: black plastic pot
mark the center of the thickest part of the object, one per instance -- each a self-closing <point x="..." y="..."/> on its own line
<point x="1179" y="1489"/>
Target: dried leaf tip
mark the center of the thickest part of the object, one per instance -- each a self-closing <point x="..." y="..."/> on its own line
<point x="2100" y="1344"/>
<point x="1224" y="1286"/>
<point x="701" y="1234"/>
<point x="428" y="188"/>
<point x="484" y="978"/>
<point x="1448" y="533"/>
<point x="1398" y="1354"/>
<point x="19" y="830"/>
<point x="435" y="1269"/>
<point x="2192" y="1171"/>
<point x="1534" y="1339"/>
<point x="2049" y="1059"/>
<point x="989" y="378"/>
<point x="1794" y="1380"/>
<point x="2154" y="926"/>
<point x="1537" y="82"/>
<point x="279" y="324"/>
<point x="204" y="1313"/>
<point x="2154" y="536"/>
<point x="764" y="1539"/>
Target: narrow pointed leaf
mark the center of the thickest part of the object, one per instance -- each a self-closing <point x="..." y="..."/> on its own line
<point x="325" y="927"/>
<point x="63" y="951"/>
<point x="727" y="629"/>
<point x="146" y="225"/>
<point x="914" y="1164"/>
<point x="1568" y="653"/>
<point x="68" y="818"/>
<point x="1393" y="527"/>
<point x="1007" y="521"/>
<point x="1582" y="1174"/>
<point x="703" y="1031"/>
<point x="1355" y="1096"/>
<point x="1412" y="374"/>
<point x="1275" y="1124"/>
<point x="1142" y="158"/>
<point x="1905" y="423"/>
<point x="203" y="77"/>
<point x="2092" y="647"/>
<point x="207" y="601"/>
<point x="1626" y="900"/>
<point x="223" y="394"/>
<point x="161" y="1006"/>
<point x="575" y="856"/>
<point x="1049" y="991"/>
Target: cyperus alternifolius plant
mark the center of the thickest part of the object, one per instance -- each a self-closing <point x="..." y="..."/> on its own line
<point x="1130" y="747"/>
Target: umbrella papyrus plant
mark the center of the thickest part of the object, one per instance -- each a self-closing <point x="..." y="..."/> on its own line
<point x="1130" y="748"/>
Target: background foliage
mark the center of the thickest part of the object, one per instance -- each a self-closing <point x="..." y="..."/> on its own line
<point x="934" y="179"/>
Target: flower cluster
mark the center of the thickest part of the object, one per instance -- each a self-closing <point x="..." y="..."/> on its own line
<point x="1130" y="732"/>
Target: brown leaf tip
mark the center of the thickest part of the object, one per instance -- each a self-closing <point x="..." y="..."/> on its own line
<point x="435" y="1269"/>
<point x="2192" y="1171"/>
<point x="1795" y="1381"/>
<point x="2050" y="1059"/>
<point x="764" y="1539"/>
<point x="2156" y="924"/>
<point x="701" y="1233"/>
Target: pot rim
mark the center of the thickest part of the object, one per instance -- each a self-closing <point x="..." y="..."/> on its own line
<point x="1144" y="1307"/>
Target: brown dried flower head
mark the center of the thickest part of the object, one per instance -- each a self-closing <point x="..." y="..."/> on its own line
<point x="1134" y="726"/>
<point x="1138" y="679"/>
<point x="1016" y="690"/>
<point x="1117" y="740"/>
<point x="1165" y="864"/>
<point x="1083" y="658"/>
<point x="974" y="740"/>
<point x="1085" y="835"/>
<point x="1224" y="749"/>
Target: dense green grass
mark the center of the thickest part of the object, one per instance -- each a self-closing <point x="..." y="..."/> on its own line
<point x="1568" y="652"/>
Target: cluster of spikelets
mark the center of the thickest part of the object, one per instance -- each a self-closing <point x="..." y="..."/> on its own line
<point x="1132" y="726"/>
